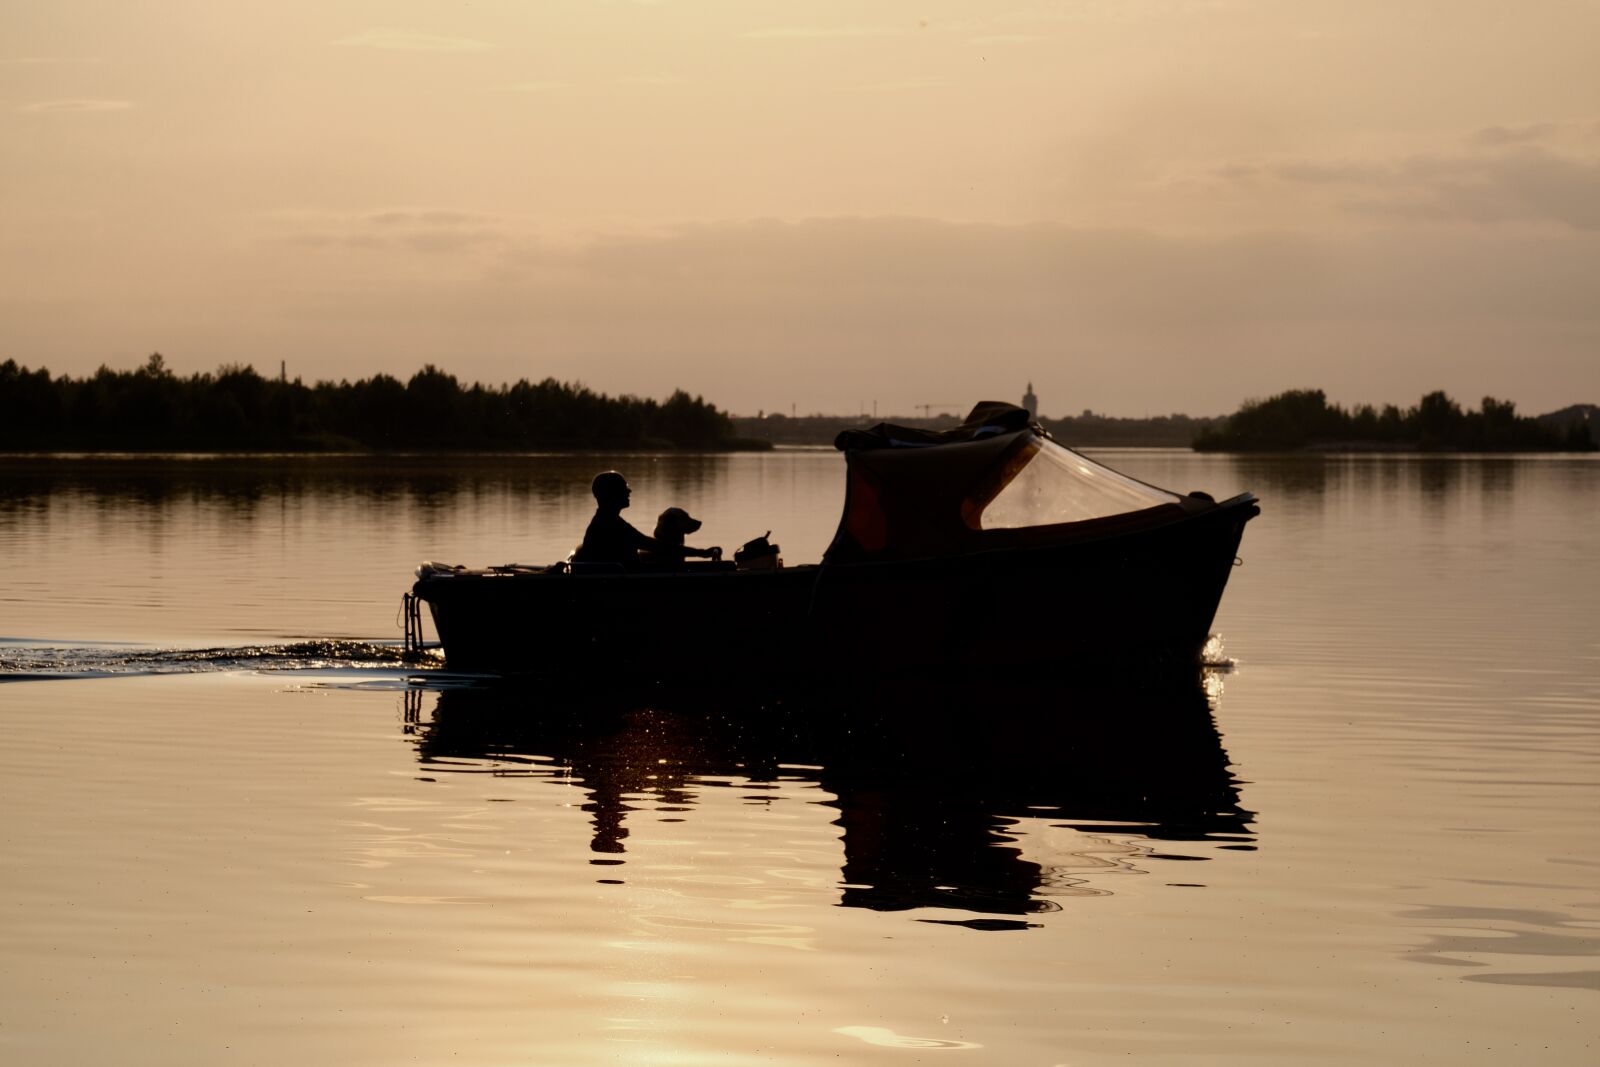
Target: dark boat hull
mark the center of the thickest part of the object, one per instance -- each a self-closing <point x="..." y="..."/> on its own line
<point x="1146" y="595"/>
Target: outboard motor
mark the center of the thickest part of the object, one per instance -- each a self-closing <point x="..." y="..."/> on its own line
<point x="758" y="555"/>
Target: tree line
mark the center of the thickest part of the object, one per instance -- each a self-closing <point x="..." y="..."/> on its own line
<point x="236" y="409"/>
<point x="1088" y="430"/>
<point x="1303" y="418"/>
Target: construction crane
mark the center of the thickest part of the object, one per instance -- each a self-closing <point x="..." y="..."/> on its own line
<point x="928" y="409"/>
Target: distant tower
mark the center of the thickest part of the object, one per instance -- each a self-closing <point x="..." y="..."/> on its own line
<point x="1031" y="402"/>
<point x="283" y="371"/>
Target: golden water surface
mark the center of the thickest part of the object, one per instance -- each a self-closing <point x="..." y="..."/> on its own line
<point x="238" y="831"/>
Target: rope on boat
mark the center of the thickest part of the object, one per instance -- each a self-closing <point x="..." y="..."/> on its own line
<point x="411" y="614"/>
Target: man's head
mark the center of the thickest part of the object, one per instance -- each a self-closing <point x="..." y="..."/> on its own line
<point x="610" y="490"/>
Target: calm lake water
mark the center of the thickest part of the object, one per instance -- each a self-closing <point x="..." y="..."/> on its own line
<point x="240" y="831"/>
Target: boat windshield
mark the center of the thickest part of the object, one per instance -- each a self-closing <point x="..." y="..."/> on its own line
<point x="1043" y="483"/>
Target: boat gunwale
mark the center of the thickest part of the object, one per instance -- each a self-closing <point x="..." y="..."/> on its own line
<point x="1083" y="533"/>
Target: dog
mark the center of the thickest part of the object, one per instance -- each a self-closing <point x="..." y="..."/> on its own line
<point x="672" y="527"/>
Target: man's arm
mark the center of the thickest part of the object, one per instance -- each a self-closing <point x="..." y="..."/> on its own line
<point x="642" y="542"/>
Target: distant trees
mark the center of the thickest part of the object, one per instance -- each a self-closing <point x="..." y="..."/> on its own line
<point x="1106" y="431"/>
<point x="1303" y="418"/>
<point x="236" y="409"/>
<point x="1088" y="430"/>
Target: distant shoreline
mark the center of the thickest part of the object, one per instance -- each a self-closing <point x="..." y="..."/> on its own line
<point x="1302" y="420"/>
<point x="153" y="410"/>
<point x="440" y="460"/>
<point x="126" y="458"/>
<point x="636" y="448"/>
<point x="1088" y="430"/>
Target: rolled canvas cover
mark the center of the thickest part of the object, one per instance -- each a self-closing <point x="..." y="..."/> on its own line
<point x="987" y="418"/>
<point x="997" y="480"/>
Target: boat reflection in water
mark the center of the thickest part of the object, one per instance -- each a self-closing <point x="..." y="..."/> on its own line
<point x="931" y="778"/>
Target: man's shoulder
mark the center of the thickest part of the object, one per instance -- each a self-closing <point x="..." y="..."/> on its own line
<point x="609" y="520"/>
<point x="610" y="526"/>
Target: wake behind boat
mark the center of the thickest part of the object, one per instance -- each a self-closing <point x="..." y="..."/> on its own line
<point x="989" y="545"/>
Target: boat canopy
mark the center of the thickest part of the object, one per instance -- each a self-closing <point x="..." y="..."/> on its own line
<point x="997" y="480"/>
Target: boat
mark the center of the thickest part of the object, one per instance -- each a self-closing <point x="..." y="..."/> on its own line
<point x="985" y="546"/>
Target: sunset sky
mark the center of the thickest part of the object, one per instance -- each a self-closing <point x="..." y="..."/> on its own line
<point x="1143" y="206"/>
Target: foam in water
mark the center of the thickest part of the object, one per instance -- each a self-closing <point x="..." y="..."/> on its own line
<point x="20" y="659"/>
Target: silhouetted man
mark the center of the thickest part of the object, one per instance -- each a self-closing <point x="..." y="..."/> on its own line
<point x="612" y="539"/>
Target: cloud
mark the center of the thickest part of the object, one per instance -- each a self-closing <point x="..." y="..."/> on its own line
<point x="819" y="33"/>
<point x="883" y="265"/>
<point x="1112" y="13"/>
<point x="1525" y="184"/>
<point x="1118" y="318"/>
<point x="532" y="87"/>
<point x="427" y="232"/>
<point x="905" y="85"/>
<point x="828" y="311"/>
<point x="1008" y="38"/>
<point x="1506" y="178"/>
<point x="1529" y="183"/>
<point x="398" y="40"/>
<point x="427" y="218"/>
<point x="40" y="61"/>
<point x="64" y="107"/>
<point x="845" y="284"/>
<point x="1496" y="136"/>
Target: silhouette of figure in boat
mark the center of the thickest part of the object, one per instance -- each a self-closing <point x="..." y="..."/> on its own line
<point x="612" y="539"/>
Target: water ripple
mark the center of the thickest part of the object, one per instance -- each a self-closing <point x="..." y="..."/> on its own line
<point x="22" y="660"/>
